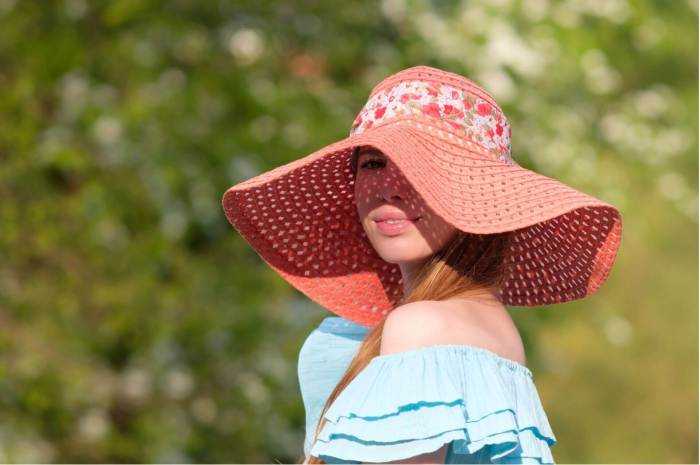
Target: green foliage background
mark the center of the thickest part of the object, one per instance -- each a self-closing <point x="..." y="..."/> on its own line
<point x="138" y="326"/>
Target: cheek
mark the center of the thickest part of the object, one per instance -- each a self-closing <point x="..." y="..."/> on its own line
<point x="360" y="202"/>
<point x="363" y="194"/>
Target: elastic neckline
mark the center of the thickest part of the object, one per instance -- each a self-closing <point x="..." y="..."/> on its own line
<point x="460" y="348"/>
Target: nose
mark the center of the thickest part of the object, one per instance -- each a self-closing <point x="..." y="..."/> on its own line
<point x="393" y="198"/>
<point x="389" y="190"/>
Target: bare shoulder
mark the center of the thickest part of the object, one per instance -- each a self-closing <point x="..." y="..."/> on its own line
<point x="412" y="325"/>
<point x="426" y="323"/>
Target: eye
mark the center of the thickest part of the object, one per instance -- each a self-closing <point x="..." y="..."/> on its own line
<point x="364" y="164"/>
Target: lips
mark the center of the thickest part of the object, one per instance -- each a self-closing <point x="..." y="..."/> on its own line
<point x="393" y="227"/>
<point x="388" y="213"/>
<point x="397" y="218"/>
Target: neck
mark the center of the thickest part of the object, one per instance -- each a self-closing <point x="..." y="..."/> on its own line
<point x="481" y="295"/>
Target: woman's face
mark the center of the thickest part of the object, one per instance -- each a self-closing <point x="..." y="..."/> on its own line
<point x="381" y="190"/>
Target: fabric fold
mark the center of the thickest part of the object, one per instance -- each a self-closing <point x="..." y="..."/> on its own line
<point x="411" y="403"/>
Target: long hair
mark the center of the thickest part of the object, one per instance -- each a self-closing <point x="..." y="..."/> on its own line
<point x="467" y="262"/>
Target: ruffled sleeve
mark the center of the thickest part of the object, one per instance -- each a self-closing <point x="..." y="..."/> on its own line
<point x="411" y="403"/>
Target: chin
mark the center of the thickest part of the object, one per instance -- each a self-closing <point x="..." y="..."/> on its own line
<point x="400" y="256"/>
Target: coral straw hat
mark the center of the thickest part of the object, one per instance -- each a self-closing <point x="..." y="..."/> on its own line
<point x="451" y="141"/>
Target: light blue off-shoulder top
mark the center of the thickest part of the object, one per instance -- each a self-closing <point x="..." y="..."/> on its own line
<point x="486" y="407"/>
<point x="323" y="359"/>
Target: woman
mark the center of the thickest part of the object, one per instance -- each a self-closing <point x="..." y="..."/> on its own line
<point x="421" y="226"/>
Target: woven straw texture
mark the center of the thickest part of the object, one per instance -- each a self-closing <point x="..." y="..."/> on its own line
<point x="302" y="220"/>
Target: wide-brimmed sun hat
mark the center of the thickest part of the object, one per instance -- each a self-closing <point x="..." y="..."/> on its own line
<point x="451" y="141"/>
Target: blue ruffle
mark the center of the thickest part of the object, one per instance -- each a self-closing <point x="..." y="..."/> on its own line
<point x="411" y="403"/>
<point x="323" y="359"/>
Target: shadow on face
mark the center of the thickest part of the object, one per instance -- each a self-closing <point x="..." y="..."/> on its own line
<point x="380" y="188"/>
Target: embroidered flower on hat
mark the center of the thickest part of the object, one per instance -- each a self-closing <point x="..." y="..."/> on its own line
<point x="467" y="114"/>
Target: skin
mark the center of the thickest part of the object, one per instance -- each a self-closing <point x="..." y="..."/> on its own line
<point x="475" y="317"/>
<point x="379" y="182"/>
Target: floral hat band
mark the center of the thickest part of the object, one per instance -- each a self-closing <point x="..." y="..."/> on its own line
<point x="466" y="113"/>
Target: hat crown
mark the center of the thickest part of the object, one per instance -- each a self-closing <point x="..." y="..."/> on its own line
<point x="447" y="99"/>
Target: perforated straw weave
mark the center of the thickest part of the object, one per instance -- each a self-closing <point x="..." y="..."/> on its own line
<point x="451" y="141"/>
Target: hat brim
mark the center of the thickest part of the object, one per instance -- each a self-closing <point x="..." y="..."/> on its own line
<point x="302" y="220"/>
